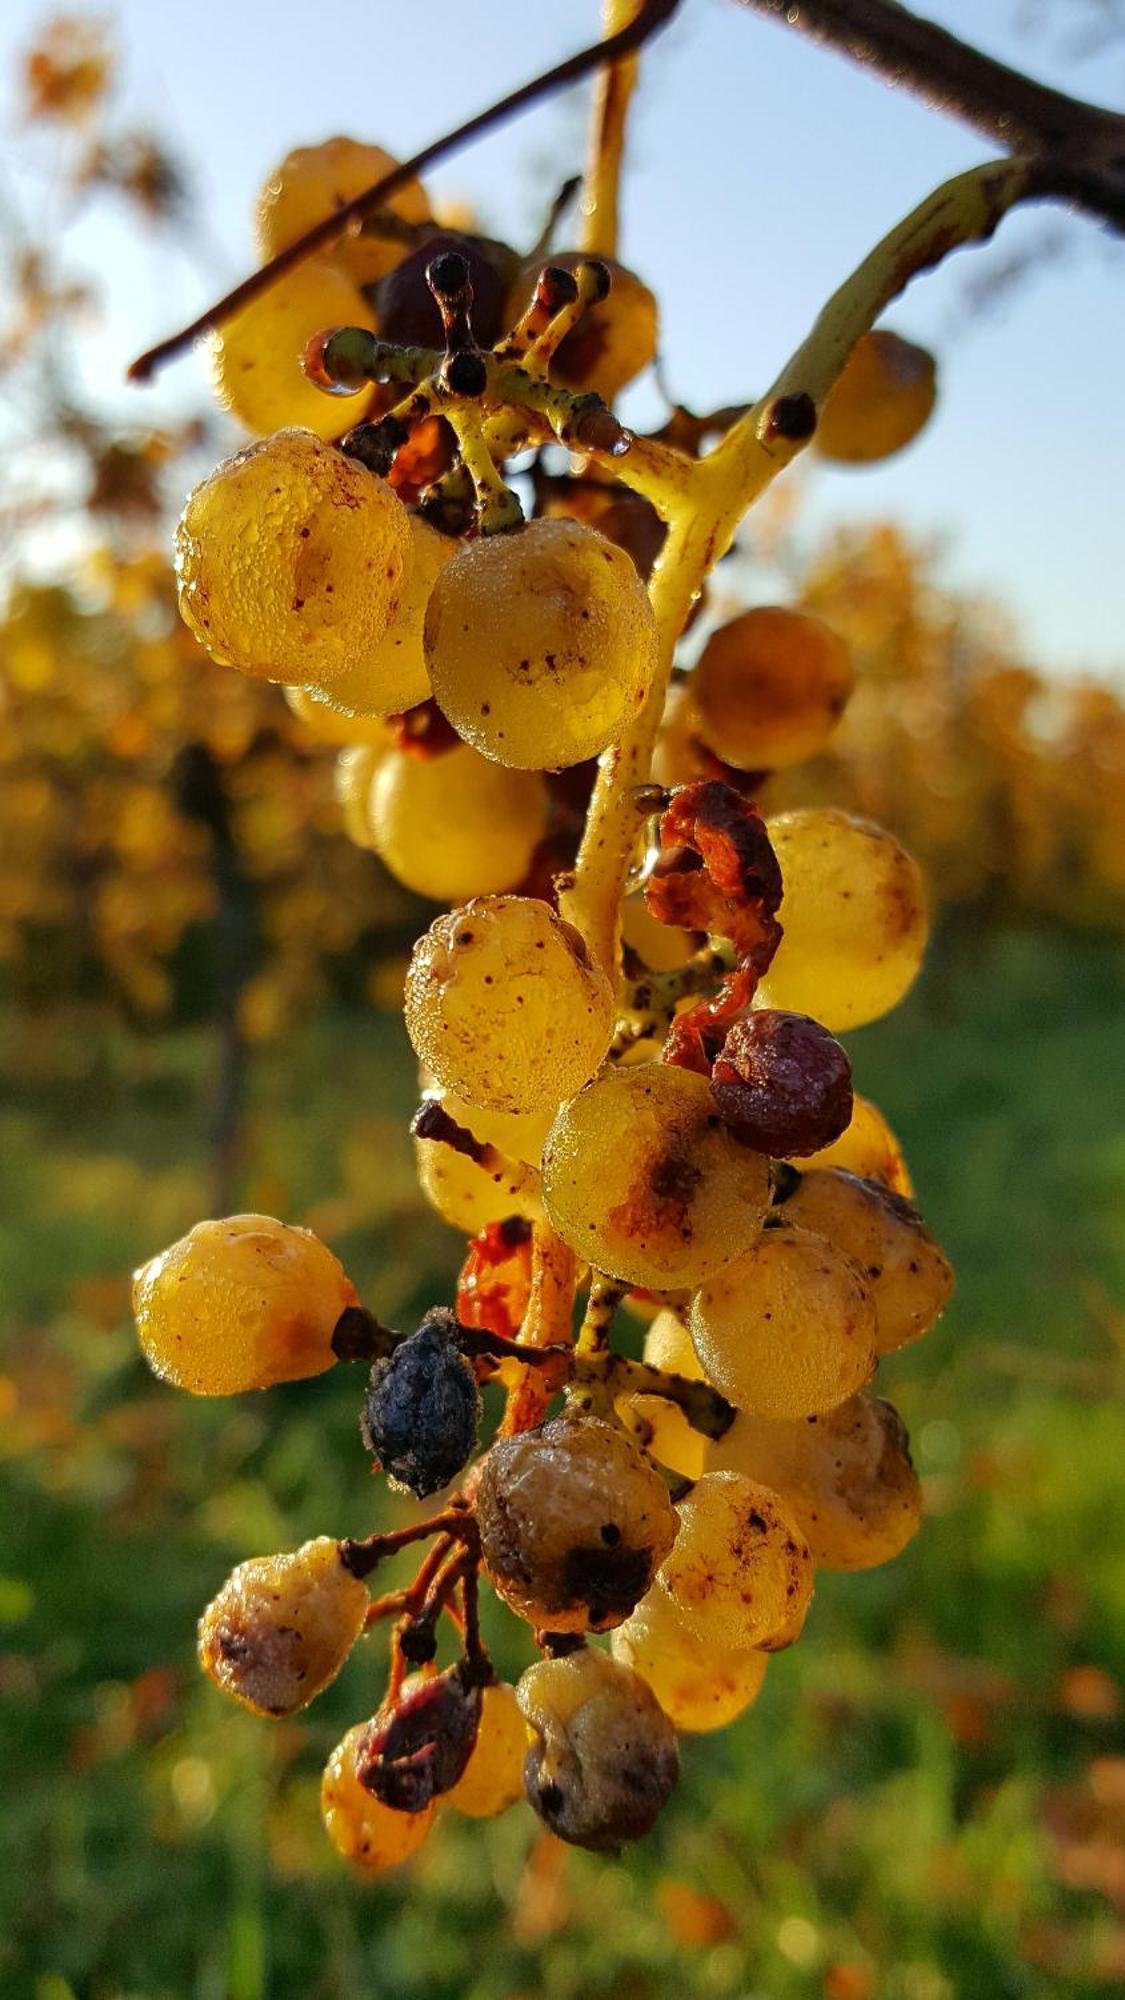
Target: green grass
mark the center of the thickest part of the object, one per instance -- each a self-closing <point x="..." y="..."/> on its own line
<point x="920" y="1806"/>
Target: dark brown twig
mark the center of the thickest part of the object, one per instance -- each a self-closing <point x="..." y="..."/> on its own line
<point x="652" y="15"/>
<point x="1084" y="143"/>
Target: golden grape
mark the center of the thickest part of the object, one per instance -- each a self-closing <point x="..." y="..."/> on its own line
<point x="740" y="1573"/>
<point x="770" y="687"/>
<point x="867" y="1148"/>
<point x="699" y="1687"/>
<point x="282" y="1626"/>
<point x="616" y="336"/>
<point x="880" y="402"/>
<point x="312" y="181"/>
<point x="330" y="725"/>
<point x="493" y="1776"/>
<point x="455" y="825"/>
<point x="255" y="359"/>
<point x="469" y="1195"/>
<point x="360" y="1827"/>
<point x="909" y="1275"/>
<point x="665" y="1431"/>
<point x="393" y="676"/>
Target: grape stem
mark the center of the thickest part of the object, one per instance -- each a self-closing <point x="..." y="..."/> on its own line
<point x="703" y="501"/>
<point x="614" y="88"/>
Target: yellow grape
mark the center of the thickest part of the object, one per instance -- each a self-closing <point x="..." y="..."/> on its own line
<point x="541" y="644"/>
<point x="393" y="676"/>
<point x="698" y="1687"/>
<point x="854" y="917"/>
<point x="255" y="359"/>
<point x="240" y="1304"/>
<point x="868" y="1148"/>
<point x="910" y="1277"/>
<point x="282" y="1626"/>
<point x="312" y="181"/>
<point x="845" y="1477"/>
<point x="614" y="340"/>
<point x="493" y="1778"/>
<point x="505" y="1006"/>
<point x="455" y="825"/>
<point x="354" y="774"/>
<point x="666" y="1432"/>
<point x="574" y="1523"/>
<point x="330" y="725"/>
<point x="360" y="1827"/>
<point x="291" y="560"/>
<point x="770" y="688"/>
<point x="740" y="1573"/>
<point x="681" y="755"/>
<point x="788" y="1329"/>
<point x="642" y="1179"/>
<point x="604" y="1759"/>
<point x="880" y="402"/>
<point x="660" y="947"/>
<point x="470" y="1196"/>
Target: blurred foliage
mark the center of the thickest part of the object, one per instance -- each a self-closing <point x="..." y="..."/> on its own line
<point x="928" y="1802"/>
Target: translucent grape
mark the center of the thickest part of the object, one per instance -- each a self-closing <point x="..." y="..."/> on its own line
<point x="312" y="181"/>
<point x="255" y="359"/>
<point x="291" y="561"/>
<point x="282" y="1626"/>
<point x="880" y="402"/>
<point x="642" y="1179"/>
<point x="666" y="1432"/>
<point x="504" y="1005"/>
<point x="541" y="644"/>
<point x="455" y="826"/>
<point x="740" y="1573"/>
<point x="699" y="1688"/>
<point x="574" y="1523"/>
<point x="493" y="1778"/>
<point x="331" y="725"/>
<point x="394" y="676"/>
<point x="360" y="1827"/>
<point x="788" y="1329"/>
<point x="909" y="1275"/>
<point x="240" y="1304"/>
<point x="854" y="918"/>
<point x="615" y="338"/>
<point x="770" y="687"/>
<point x="868" y="1148"/>
<point x="470" y="1196"/>
<point x="845" y="1477"/>
<point x="604" y="1759"/>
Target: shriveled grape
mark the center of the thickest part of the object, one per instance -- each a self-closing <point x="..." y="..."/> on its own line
<point x="782" y="1083"/>
<point x="291" y="561"/>
<point x="505" y="1006"/>
<point x="455" y="826"/>
<point x="854" y="919"/>
<point x="845" y="1477"/>
<point x="540" y="643"/>
<point x="240" y="1304"/>
<point x="282" y="1626"/>
<point x="363" y="1830"/>
<point x="574" y="1523"/>
<point x="770" y="687"/>
<point x="788" y="1329"/>
<point x="909" y="1275"/>
<point x="698" y="1686"/>
<point x="641" y="1177"/>
<point x="740" y="1573"/>
<point x="604" y="1759"/>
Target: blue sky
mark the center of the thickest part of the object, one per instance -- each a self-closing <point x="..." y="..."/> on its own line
<point x="761" y="170"/>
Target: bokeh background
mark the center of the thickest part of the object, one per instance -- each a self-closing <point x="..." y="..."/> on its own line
<point x="199" y="989"/>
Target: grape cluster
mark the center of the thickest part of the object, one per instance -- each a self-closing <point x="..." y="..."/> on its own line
<point x="670" y="1122"/>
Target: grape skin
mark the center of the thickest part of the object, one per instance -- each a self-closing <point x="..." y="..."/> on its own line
<point x="911" y="1278"/>
<point x="454" y="826"/>
<point x="393" y="676"/>
<point x="239" y="1304"/>
<point x="846" y="1478"/>
<point x="281" y="1628"/>
<point x="311" y="181"/>
<point x="740" y="1574"/>
<point x="467" y="1195"/>
<point x="854" y="919"/>
<point x="868" y="1148"/>
<point x="770" y="687"/>
<point x="291" y="560"/>
<point x="373" y="1836"/>
<point x="330" y="725"/>
<point x="699" y="1687"/>
<point x="504" y="1005"/>
<point x="541" y="644"/>
<point x="493" y="1778"/>
<point x="881" y="401"/>
<point x="788" y="1329"/>
<point x="254" y="359"/>
<point x="641" y="1177"/>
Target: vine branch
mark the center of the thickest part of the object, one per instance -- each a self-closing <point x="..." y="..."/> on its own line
<point x="1085" y="143"/>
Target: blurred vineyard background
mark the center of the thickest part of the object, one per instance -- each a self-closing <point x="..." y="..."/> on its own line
<point x="199" y="983"/>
